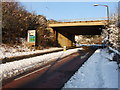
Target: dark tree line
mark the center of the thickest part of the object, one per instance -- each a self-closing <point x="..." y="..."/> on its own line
<point x="16" y="21"/>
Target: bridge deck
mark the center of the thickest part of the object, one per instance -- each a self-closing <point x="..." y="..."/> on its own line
<point x="80" y="23"/>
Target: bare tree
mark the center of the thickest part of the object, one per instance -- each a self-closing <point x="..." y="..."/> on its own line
<point x="14" y="21"/>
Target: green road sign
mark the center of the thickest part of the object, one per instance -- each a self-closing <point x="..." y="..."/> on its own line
<point x="32" y="39"/>
<point x="31" y="36"/>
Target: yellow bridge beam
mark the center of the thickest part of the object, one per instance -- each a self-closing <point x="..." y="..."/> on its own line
<point x="80" y="23"/>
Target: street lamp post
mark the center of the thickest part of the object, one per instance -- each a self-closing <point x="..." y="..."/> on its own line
<point x="108" y="18"/>
<point x="107" y="11"/>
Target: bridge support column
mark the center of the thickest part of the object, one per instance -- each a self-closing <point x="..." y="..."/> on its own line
<point x="65" y="39"/>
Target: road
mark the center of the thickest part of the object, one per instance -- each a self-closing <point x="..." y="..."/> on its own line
<point x="53" y="75"/>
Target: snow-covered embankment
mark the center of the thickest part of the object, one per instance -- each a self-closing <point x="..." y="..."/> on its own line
<point x="11" y="52"/>
<point x="14" y="68"/>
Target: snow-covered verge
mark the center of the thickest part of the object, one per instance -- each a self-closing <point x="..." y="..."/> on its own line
<point x="8" y="52"/>
<point x="97" y="72"/>
<point x="117" y="52"/>
<point x="14" y="68"/>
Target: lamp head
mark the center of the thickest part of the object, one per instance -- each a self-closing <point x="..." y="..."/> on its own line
<point x="95" y="4"/>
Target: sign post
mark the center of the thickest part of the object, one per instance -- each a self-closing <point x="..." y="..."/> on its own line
<point x="31" y="37"/>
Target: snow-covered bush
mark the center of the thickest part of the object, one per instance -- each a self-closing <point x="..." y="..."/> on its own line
<point x="111" y="35"/>
<point x="111" y="32"/>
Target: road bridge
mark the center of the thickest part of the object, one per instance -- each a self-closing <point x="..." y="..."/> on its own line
<point x="65" y="31"/>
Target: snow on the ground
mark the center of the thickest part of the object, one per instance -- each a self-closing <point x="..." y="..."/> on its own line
<point x="14" y="68"/>
<point x="7" y="51"/>
<point x="97" y="72"/>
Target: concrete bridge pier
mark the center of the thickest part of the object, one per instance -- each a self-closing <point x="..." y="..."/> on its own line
<point x="65" y="39"/>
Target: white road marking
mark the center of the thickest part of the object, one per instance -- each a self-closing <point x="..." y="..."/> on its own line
<point x="84" y="55"/>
